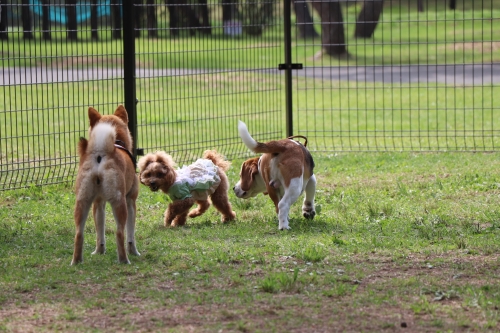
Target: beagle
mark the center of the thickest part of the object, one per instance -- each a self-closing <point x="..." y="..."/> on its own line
<point x="284" y="171"/>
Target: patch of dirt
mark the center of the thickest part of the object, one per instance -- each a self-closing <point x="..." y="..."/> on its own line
<point x="283" y="312"/>
<point x="484" y="47"/>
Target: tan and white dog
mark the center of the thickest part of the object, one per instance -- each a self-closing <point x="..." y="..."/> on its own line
<point x="106" y="174"/>
<point x="284" y="171"/>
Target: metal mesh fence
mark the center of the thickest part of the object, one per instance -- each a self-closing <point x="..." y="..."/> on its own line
<point x="377" y="76"/>
<point x="199" y="68"/>
<point x="398" y="75"/>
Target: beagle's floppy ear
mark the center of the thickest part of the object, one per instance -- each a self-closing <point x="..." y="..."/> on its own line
<point x="249" y="170"/>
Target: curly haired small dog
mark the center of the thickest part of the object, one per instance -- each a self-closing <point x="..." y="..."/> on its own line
<point x="188" y="185"/>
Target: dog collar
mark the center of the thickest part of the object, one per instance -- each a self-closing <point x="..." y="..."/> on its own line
<point x="121" y="145"/>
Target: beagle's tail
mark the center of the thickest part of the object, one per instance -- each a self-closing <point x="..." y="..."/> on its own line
<point x="271" y="147"/>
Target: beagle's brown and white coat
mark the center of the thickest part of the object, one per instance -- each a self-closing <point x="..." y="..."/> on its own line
<point x="284" y="171"/>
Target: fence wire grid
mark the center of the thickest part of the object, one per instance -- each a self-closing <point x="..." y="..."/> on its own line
<point x="351" y="76"/>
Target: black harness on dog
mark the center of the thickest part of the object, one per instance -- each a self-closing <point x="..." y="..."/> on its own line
<point x="121" y="145"/>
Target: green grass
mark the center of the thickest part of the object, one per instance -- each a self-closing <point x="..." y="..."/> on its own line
<point x="399" y="238"/>
<point x="438" y="35"/>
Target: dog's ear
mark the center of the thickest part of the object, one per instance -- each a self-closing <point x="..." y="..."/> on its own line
<point x="249" y="170"/>
<point x="94" y="116"/>
<point x="121" y="113"/>
<point x="144" y="161"/>
<point x="165" y="159"/>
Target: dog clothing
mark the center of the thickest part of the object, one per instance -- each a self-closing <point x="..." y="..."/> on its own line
<point x="197" y="180"/>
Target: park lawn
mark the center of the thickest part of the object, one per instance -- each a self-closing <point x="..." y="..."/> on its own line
<point x="438" y="35"/>
<point x="400" y="240"/>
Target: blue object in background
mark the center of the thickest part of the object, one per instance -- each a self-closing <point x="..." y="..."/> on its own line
<point x="83" y="8"/>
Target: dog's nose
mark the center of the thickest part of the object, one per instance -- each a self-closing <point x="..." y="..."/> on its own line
<point x="152" y="184"/>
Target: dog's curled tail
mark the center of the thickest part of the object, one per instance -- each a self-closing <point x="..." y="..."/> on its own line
<point x="101" y="139"/>
<point x="217" y="159"/>
<point x="271" y="147"/>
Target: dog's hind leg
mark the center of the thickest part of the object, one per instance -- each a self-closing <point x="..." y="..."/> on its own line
<point x="203" y="205"/>
<point x="308" y="210"/>
<point x="120" y="213"/>
<point x="291" y="195"/>
<point x="99" y="212"/>
<point x="131" y="209"/>
<point x="81" y="213"/>
<point x="221" y="202"/>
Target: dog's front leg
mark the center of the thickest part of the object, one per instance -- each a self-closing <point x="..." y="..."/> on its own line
<point x="177" y="212"/>
<point x="99" y="212"/>
<point x="308" y="210"/>
<point x="120" y="213"/>
<point x="81" y="213"/>
<point x="169" y="216"/>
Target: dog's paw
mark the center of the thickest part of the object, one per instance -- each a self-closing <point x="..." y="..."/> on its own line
<point x="309" y="214"/>
<point x="284" y="226"/>
<point x="227" y="218"/>
<point x="100" y="249"/>
<point x="132" y="249"/>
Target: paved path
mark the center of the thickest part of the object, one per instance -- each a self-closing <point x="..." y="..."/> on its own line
<point x="459" y="75"/>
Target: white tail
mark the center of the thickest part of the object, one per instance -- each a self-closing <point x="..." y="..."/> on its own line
<point x="102" y="138"/>
<point x="245" y="136"/>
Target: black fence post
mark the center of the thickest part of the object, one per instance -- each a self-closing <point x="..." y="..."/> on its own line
<point x="287" y="12"/>
<point x="129" y="69"/>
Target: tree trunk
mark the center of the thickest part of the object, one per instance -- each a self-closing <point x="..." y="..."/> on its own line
<point x="151" y="19"/>
<point x="173" y="17"/>
<point x="116" y="18"/>
<point x="206" y="28"/>
<point x="304" y="20"/>
<point x="94" y="20"/>
<point x="181" y="13"/>
<point x="27" y="22"/>
<point x="71" y="24"/>
<point x="45" y="20"/>
<point x="420" y="5"/>
<point x="229" y="11"/>
<point x="3" y="21"/>
<point x="368" y="19"/>
<point x="138" y="11"/>
<point x="332" y="28"/>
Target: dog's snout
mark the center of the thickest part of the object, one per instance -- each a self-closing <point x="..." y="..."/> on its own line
<point x="152" y="184"/>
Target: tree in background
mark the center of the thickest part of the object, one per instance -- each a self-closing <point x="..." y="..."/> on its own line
<point x="71" y="23"/>
<point x="368" y="18"/>
<point x="332" y="28"/>
<point x="304" y="19"/>
<point x="3" y="21"/>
